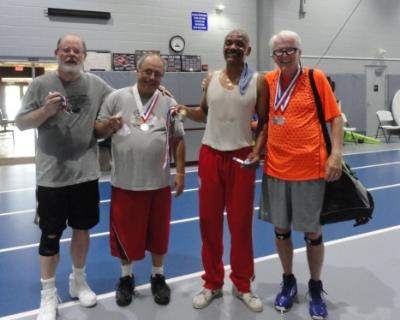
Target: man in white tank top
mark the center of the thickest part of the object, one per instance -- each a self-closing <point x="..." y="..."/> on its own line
<point x="227" y="164"/>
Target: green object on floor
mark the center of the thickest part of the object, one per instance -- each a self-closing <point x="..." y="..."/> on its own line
<point x="359" y="138"/>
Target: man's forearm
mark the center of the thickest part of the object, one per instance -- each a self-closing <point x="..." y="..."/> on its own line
<point x="32" y="119"/>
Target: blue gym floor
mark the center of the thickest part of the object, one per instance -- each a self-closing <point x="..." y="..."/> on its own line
<point x="19" y="270"/>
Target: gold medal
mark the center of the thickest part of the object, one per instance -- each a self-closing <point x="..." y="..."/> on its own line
<point x="183" y="112"/>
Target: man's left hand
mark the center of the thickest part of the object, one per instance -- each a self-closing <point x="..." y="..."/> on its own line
<point x="333" y="169"/>
<point x="252" y="161"/>
<point x="179" y="184"/>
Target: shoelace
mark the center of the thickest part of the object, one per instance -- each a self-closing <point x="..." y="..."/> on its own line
<point x="286" y="288"/>
<point x="317" y="295"/>
<point x="48" y="304"/>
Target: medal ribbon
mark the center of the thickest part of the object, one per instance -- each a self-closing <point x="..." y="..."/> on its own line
<point x="172" y="112"/>
<point x="148" y="107"/>
<point x="282" y="98"/>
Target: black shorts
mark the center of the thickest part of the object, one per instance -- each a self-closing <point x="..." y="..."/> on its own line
<point x="76" y="205"/>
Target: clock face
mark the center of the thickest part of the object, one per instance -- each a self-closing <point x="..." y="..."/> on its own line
<point x="177" y="43"/>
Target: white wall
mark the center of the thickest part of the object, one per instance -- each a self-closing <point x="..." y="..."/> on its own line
<point x="25" y="30"/>
<point x="148" y="24"/>
<point x="374" y="25"/>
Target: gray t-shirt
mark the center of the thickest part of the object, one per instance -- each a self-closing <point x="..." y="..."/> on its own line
<point x="66" y="146"/>
<point x="138" y="156"/>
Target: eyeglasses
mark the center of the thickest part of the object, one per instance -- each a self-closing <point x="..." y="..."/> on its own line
<point x="150" y="72"/>
<point x="68" y="50"/>
<point x="287" y="51"/>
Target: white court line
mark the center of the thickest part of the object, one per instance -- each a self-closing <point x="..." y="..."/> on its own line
<point x="198" y="274"/>
<point x="195" y="170"/>
<point x="186" y="190"/>
<point x="101" y="180"/>
<point x="377" y="165"/>
<point x="94" y="235"/>
<point x="101" y="202"/>
<point x="370" y="151"/>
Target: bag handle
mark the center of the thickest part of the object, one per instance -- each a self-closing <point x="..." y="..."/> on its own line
<point x="320" y="112"/>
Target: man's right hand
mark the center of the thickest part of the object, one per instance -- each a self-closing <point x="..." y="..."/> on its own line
<point x="115" y="122"/>
<point x="52" y="103"/>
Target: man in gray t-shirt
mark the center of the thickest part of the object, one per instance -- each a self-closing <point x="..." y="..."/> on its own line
<point x="63" y="107"/>
<point x="144" y="127"/>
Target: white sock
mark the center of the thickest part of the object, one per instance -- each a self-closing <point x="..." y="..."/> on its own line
<point x="126" y="270"/>
<point x="157" y="270"/>
<point x="78" y="271"/>
<point x="48" y="283"/>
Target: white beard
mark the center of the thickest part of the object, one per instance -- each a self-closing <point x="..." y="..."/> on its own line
<point x="69" y="68"/>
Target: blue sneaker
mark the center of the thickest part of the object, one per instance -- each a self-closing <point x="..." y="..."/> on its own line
<point x="284" y="300"/>
<point x="317" y="309"/>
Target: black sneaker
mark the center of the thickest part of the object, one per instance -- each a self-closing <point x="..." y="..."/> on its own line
<point x="125" y="290"/>
<point x="160" y="289"/>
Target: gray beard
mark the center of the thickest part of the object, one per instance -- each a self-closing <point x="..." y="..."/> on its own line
<point x="68" y="68"/>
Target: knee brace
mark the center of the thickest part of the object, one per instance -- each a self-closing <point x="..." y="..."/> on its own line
<point x="283" y="236"/>
<point x="313" y="242"/>
<point x="49" y="244"/>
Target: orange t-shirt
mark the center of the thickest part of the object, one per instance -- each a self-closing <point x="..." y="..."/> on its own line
<point x="295" y="145"/>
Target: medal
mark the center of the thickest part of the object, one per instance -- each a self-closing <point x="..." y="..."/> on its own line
<point x="146" y="110"/>
<point x="282" y="97"/>
<point x="279" y="120"/>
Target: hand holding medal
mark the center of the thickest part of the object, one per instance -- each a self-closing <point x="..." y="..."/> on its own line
<point x="54" y="102"/>
<point x="181" y="112"/>
<point x="116" y="123"/>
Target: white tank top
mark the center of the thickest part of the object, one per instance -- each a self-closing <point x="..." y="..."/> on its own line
<point x="229" y="115"/>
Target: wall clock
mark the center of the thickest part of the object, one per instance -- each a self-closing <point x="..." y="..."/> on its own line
<point x="177" y="43"/>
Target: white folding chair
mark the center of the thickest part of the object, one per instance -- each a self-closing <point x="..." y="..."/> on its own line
<point x="4" y="126"/>
<point x="346" y="127"/>
<point x="386" y="124"/>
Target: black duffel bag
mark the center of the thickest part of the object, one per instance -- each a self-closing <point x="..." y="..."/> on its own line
<point x="347" y="199"/>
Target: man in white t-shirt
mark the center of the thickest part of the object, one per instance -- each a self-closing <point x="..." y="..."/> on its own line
<point x="227" y="170"/>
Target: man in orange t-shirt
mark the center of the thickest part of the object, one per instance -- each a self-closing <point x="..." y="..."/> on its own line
<point x="297" y="165"/>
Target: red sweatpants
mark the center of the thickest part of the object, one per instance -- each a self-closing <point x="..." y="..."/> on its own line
<point x="224" y="184"/>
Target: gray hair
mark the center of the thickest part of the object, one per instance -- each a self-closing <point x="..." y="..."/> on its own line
<point x="73" y="35"/>
<point x="139" y="63"/>
<point x="285" y="35"/>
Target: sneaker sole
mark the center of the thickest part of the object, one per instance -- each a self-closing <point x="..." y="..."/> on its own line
<point x="318" y="317"/>
<point x="161" y="302"/>
<point x="281" y="309"/>
<point x="237" y="295"/>
<point x="215" y="296"/>
<point x="75" y="297"/>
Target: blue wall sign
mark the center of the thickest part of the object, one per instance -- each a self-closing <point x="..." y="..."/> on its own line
<point x="199" y="21"/>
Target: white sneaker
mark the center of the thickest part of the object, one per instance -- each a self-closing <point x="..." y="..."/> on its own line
<point x="250" y="299"/>
<point x="48" y="304"/>
<point x="204" y="297"/>
<point x="78" y="288"/>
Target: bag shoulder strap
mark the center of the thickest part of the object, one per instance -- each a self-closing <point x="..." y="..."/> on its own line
<point x="320" y="111"/>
